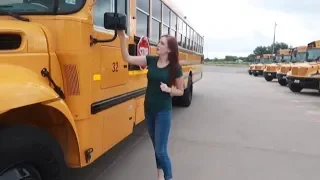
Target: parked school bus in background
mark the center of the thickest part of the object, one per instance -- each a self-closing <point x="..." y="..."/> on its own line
<point x="254" y="62"/>
<point x="306" y="75"/>
<point x="265" y="59"/>
<point x="67" y="96"/>
<point x="270" y="72"/>
<point x="298" y="55"/>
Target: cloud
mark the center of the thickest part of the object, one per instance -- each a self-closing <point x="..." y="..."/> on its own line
<point x="234" y="27"/>
<point x="301" y="8"/>
<point x="240" y="46"/>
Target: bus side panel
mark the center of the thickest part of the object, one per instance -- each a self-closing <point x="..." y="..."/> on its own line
<point x="106" y="129"/>
<point x="118" y="123"/>
<point x="90" y="133"/>
<point x="140" y="110"/>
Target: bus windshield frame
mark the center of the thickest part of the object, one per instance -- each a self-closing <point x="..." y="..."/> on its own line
<point x="42" y="7"/>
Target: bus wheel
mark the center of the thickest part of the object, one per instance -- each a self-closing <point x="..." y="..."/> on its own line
<point x="250" y="73"/>
<point x="185" y="100"/>
<point x="295" y="88"/>
<point x="282" y="82"/>
<point x="268" y="78"/>
<point x="255" y="74"/>
<point x="30" y="153"/>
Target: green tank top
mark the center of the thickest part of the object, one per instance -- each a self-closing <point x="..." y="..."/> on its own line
<point x="155" y="99"/>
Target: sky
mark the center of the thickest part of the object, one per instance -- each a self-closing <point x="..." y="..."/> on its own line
<point x="236" y="27"/>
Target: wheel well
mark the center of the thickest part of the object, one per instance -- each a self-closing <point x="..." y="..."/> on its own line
<point x="50" y="119"/>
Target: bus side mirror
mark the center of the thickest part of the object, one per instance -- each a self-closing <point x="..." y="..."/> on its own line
<point x="115" y="21"/>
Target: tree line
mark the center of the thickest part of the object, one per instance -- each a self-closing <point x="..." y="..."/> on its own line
<point x="259" y="50"/>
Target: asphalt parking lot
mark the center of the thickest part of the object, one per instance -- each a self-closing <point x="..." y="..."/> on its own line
<point x="238" y="127"/>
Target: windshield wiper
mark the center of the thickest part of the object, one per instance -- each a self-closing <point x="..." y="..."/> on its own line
<point x="12" y="14"/>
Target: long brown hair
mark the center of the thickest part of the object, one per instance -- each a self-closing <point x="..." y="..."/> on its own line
<point x="173" y="58"/>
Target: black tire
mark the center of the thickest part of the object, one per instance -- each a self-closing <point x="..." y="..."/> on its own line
<point x="295" y="87"/>
<point x="255" y="74"/>
<point x="282" y="82"/>
<point x="268" y="78"/>
<point x="33" y="150"/>
<point x="186" y="99"/>
<point x="250" y="73"/>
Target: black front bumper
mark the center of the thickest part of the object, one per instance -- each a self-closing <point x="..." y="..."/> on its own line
<point x="270" y="74"/>
<point x="259" y="72"/>
<point x="308" y="83"/>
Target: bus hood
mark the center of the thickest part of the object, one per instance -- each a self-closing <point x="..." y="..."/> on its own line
<point x="272" y="67"/>
<point x="24" y="52"/>
<point x="22" y="37"/>
<point x="251" y="66"/>
<point x="259" y="66"/>
<point x="304" y="69"/>
<point x="284" y="68"/>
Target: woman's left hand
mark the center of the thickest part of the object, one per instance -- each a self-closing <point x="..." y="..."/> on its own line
<point x="164" y="87"/>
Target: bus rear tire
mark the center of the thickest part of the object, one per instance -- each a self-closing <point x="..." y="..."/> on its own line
<point x="186" y="99"/>
<point x="30" y="152"/>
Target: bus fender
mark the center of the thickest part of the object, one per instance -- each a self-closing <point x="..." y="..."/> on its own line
<point x="22" y="87"/>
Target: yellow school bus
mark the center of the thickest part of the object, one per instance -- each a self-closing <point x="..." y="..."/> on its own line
<point x="254" y="62"/>
<point x="67" y="96"/>
<point x="270" y="72"/>
<point x="306" y="75"/>
<point x="298" y="55"/>
<point x="258" y="68"/>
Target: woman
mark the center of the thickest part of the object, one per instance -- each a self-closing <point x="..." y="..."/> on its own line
<point x="165" y="79"/>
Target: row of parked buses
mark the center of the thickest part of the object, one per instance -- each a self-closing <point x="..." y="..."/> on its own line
<point x="298" y="68"/>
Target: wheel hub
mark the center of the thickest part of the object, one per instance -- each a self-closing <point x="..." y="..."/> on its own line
<point x="21" y="172"/>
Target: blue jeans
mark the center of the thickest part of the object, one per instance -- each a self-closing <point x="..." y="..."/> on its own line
<point x="159" y="124"/>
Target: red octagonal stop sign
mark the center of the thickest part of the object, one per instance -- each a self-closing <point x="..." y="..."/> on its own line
<point x="143" y="48"/>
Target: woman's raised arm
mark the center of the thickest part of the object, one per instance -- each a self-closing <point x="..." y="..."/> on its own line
<point x="136" y="60"/>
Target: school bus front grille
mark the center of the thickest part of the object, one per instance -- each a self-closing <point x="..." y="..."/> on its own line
<point x="284" y="69"/>
<point x="269" y="68"/>
<point x="71" y="79"/>
<point x="299" y="71"/>
<point x="294" y="71"/>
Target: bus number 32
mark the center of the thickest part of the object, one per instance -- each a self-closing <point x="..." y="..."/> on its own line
<point x="115" y="66"/>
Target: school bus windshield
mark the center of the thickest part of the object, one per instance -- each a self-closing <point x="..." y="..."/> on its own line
<point x="266" y="61"/>
<point x="313" y="54"/>
<point x="255" y="61"/>
<point x="41" y="6"/>
<point x="300" y="57"/>
<point x="286" y="58"/>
